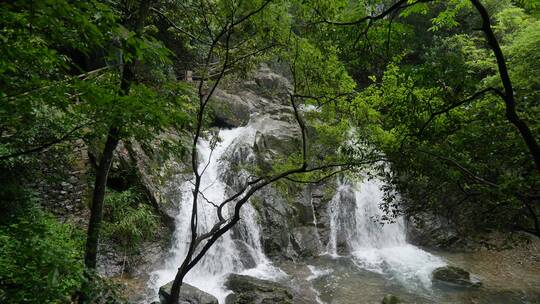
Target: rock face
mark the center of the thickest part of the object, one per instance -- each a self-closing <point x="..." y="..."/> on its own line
<point x="431" y="231"/>
<point x="454" y="277"/>
<point x="244" y="252"/>
<point x="305" y="241"/>
<point x="230" y="110"/>
<point x="188" y="295"/>
<point x="250" y="290"/>
<point x="286" y="218"/>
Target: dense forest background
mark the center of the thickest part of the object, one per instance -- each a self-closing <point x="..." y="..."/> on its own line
<point x="447" y="93"/>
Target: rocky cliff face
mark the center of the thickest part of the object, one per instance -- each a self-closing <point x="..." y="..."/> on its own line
<point x="287" y="218"/>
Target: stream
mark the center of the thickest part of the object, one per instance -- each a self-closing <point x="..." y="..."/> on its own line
<point x="361" y="262"/>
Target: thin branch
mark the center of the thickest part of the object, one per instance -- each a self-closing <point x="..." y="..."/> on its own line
<point x="462" y="168"/>
<point x="458" y="104"/>
<point x="252" y="13"/>
<point x="318" y="180"/>
<point x="175" y="26"/>
<point x="44" y="146"/>
<point x="395" y="7"/>
<point x="201" y="193"/>
<point x="80" y="76"/>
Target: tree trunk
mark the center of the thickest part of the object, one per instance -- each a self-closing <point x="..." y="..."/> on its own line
<point x="113" y="137"/>
<point x="96" y="211"/>
<point x="508" y="95"/>
<point x="175" y="289"/>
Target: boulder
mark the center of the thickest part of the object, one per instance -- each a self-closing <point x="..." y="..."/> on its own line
<point x="274" y="214"/>
<point x="454" y="277"/>
<point x="229" y="110"/>
<point x="390" y="299"/>
<point x="250" y="290"/>
<point x="188" y="295"/>
<point x="269" y="83"/>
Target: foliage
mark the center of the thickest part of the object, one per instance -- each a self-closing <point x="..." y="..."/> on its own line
<point x="39" y="260"/>
<point x="128" y="221"/>
<point x="39" y="87"/>
<point x="470" y="154"/>
<point x="416" y="88"/>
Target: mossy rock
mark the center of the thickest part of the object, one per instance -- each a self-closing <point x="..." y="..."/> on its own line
<point x="250" y="290"/>
<point x="390" y="299"/>
<point x="188" y="293"/>
<point x="453" y="276"/>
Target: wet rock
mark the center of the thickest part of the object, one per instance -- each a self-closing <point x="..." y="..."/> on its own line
<point x="250" y="290"/>
<point x="275" y="137"/>
<point x="244" y="254"/>
<point x="229" y="110"/>
<point x="305" y="241"/>
<point x="453" y="276"/>
<point x="188" y="295"/>
<point x="390" y="299"/>
<point x="132" y="159"/>
<point x="431" y="231"/>
<point x="304" y="214"/>
<point x="268" y="79"/>
<point x="267" y="82"/>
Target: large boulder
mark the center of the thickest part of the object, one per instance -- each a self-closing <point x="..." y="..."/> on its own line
<point x="230" y="110"/>
<point x="270" y="84"/>
<point x="188" y="295"/>
<point x="250" y="290"/>
<point x="454" y="277"/>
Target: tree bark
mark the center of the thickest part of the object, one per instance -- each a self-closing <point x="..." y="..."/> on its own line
<point x="96" y="211"/>
<point x="113" y="137"/>
<point x="508" y="95"/>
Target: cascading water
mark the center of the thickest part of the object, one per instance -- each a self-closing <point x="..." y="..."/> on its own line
<point x="316" y="225"/>
<point x="224" y="257"/>
<point x="372" y="245"/>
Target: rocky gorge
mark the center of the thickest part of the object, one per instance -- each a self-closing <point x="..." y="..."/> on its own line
<point x="302" y="243"/>
<point x="315" y="243"/>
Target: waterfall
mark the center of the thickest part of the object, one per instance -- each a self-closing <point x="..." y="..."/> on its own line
<point x="315" y="224"/>
<point x="241" y="254"/>
<point x="353" y="214"/>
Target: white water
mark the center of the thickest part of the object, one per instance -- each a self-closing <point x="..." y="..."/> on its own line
<point x="224" y="257"/>
<point x="316" y="225"/>
<point x="354" y="211"/>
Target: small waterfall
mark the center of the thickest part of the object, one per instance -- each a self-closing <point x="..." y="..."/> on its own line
<point x="225" y="256"/>
<point x="353" y="213"/>
<point x="315" y="224"/>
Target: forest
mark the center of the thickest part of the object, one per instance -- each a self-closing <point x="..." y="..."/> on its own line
<point x="270" y="151"/>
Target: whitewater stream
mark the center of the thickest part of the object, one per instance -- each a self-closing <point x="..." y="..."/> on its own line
<point x="224" y="257"/>
<point x="354" y="215"/>
<point x="360" y="263"/>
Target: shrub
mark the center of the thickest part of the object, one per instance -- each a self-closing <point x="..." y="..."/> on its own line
<point x="40" y="260"/>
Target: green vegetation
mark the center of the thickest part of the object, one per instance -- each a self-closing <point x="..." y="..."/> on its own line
<point x="446" y="93"/>
<point x="40" y="260"/>
<point x="128" y="222"/>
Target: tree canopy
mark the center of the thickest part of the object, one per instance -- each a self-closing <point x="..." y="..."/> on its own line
<point x="441" y="99"/>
